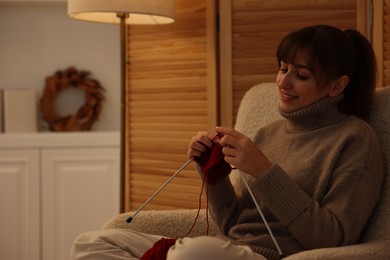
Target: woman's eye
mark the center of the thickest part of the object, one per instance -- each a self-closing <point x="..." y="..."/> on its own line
<point x="283" y="70"/>
<point x="301" y="77"/>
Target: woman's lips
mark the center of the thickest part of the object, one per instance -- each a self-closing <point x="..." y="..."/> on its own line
<point x="287" y="97"/>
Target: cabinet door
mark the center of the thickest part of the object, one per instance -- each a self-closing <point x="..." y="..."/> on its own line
<point x="19" y="203"/>
<point x="80" y="191"/>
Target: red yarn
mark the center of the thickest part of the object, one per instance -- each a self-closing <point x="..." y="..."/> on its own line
<point x="159" y="250"/>
<point x="215" y="168"/>
<point x="213" y="163"/>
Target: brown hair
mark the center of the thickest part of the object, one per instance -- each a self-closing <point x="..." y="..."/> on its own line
<point x="331" y="53"/>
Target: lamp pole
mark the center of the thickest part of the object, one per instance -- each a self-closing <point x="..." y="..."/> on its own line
<point x="123" y="114"/>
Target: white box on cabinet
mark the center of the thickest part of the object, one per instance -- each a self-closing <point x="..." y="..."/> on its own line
<point x="20" y="113"/>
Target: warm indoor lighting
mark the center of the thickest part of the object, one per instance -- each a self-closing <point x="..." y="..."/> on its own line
<point x="123" y="12"/>
<point x="140" y="11"/>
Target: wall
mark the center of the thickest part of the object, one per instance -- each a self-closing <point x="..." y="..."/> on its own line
<point x="38" y="38"/>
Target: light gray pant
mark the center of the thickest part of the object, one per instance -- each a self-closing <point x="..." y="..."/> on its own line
<point x="122" y="244"/>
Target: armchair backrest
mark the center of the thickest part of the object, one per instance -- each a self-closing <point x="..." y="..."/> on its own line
<point x="259" y="107"/>
<point x="379" y="224"/>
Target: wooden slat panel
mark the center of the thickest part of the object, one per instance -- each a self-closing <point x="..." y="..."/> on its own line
<point x="167" y="103"/>
<point x="386" y="44"/>
<point x="259" y="25"/>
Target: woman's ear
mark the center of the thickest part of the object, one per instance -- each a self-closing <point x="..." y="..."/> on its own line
<point x="338" y="86"/>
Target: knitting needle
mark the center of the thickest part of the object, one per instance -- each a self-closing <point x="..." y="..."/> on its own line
<point x="261" y="213"/>
<point x="129" y="219"/>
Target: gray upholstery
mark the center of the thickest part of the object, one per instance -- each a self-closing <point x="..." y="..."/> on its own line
<point x="258" y="107"/>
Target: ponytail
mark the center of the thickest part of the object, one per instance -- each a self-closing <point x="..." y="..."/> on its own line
<point x="360" y="91"/>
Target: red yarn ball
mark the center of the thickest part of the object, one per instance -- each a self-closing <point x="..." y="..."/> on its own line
<point x="159" y="250"/>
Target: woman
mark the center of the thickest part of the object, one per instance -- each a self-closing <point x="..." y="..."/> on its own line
<point x="317" y="173"/>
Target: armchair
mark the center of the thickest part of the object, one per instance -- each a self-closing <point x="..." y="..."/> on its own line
<point x="259" y="107"/>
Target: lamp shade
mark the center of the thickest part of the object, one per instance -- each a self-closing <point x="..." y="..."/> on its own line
<point x="139" y="11"/>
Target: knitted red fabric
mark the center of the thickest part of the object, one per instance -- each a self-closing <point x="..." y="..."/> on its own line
<point x="213" y="165"/>
<point x="159" y="250"/>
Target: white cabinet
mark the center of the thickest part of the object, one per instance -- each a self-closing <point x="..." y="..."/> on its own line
<point x="19" y="203"/>
<point x="54" y="187"/>
<point x="33" y="1"/>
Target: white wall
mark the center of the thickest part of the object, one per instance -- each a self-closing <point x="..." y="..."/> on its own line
<point x="37" y="39"/>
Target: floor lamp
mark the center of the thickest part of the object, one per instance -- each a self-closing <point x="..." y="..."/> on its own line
<point x="123" y="12"/>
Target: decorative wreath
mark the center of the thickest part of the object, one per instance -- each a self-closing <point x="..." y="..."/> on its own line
<point x="86" y="115"/>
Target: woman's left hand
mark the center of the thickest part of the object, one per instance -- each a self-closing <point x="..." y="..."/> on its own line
<point x="241" y="152"/>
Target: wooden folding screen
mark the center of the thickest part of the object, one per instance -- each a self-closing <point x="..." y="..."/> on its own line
<point x="173" y="89"/>
<point x="170" y="96"/>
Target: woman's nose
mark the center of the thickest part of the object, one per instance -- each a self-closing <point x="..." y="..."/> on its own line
<point x="283" y="81"/>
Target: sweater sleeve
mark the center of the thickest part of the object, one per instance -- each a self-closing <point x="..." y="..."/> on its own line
<point x="338" y="217"/>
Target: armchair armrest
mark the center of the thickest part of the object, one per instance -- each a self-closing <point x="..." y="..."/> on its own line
<point x="373" y="250"/>
<point x="169" y="223"/>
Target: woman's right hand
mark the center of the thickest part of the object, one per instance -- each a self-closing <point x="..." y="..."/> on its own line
<point x="199" y="144"/>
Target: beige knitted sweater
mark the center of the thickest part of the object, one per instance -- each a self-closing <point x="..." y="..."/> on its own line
<point x="324" y="183"/>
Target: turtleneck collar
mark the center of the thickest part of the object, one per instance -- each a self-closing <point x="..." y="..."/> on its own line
<point x="321" y="113"/>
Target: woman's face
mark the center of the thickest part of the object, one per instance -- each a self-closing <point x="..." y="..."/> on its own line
<point x="297" y="86"/>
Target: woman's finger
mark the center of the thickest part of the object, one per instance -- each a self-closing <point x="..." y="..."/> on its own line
<point x="230" y="131"/>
